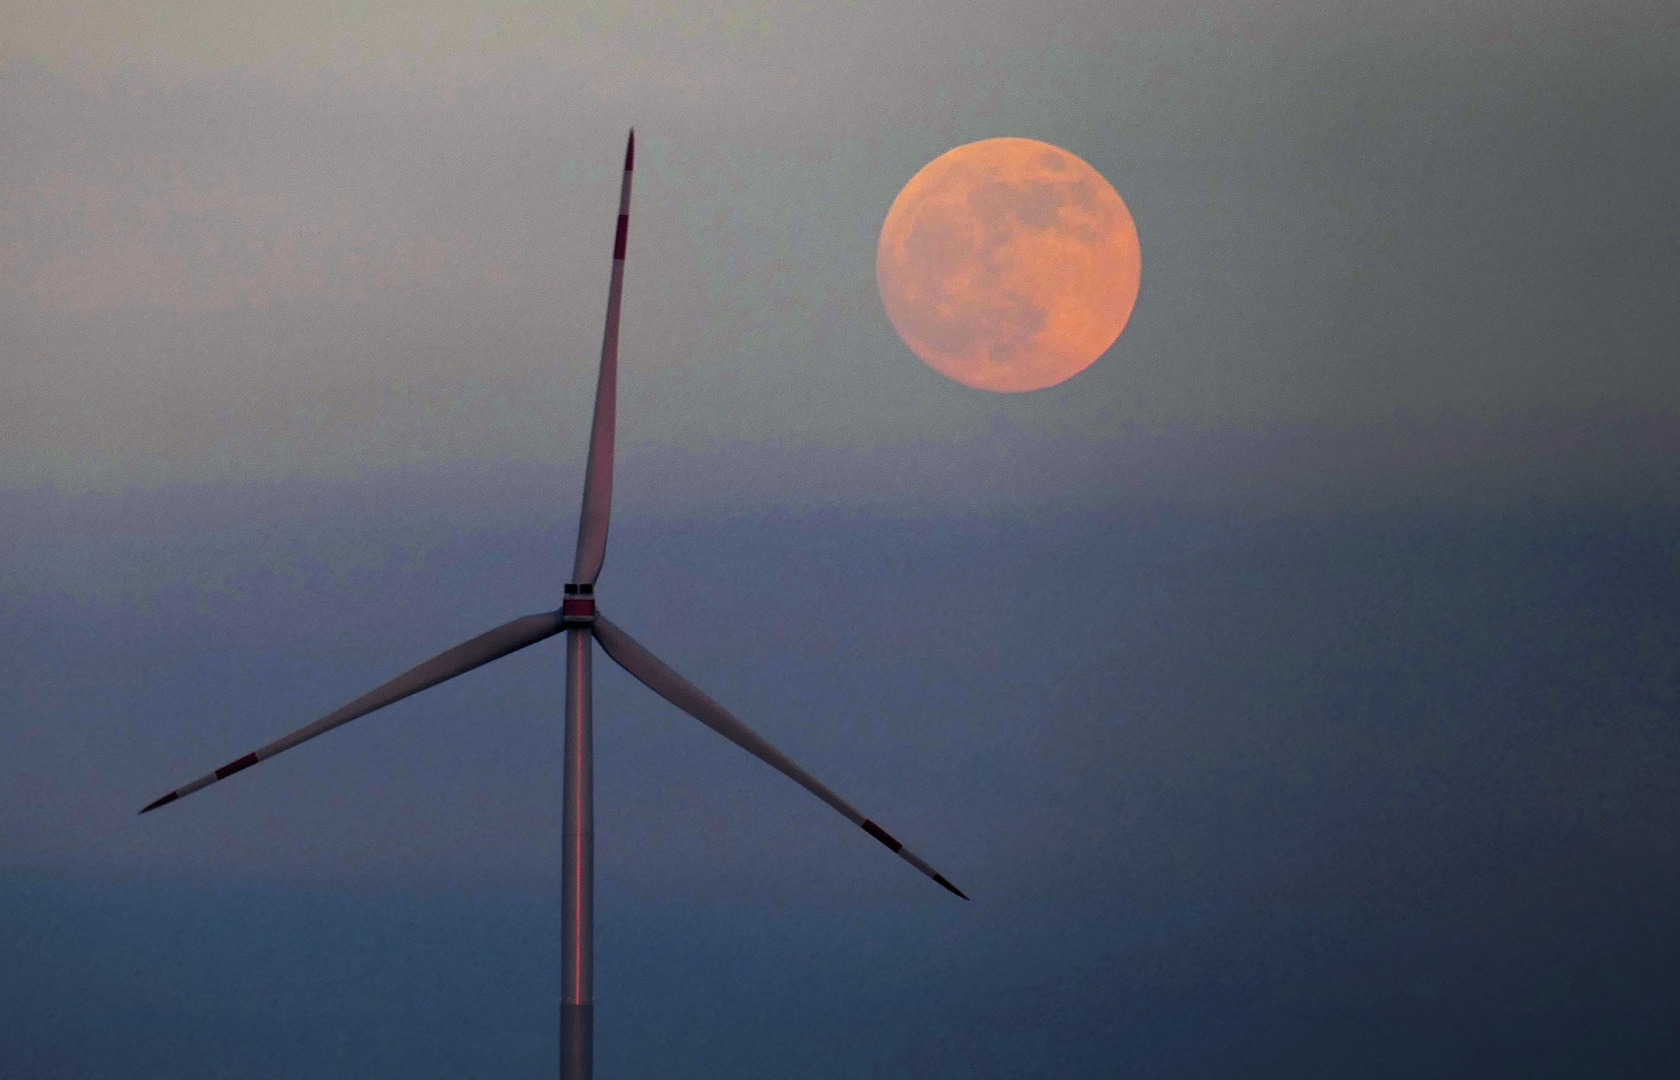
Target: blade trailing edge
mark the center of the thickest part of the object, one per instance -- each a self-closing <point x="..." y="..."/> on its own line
<point x="659" y="677"/>
<point x="492" y="645"/>
<point x="596" y="512"/>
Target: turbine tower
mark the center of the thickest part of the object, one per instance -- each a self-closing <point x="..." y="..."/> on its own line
<point x="579" y="618"/>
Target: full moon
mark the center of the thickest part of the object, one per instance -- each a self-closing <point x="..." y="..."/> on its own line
<point x="1008" y="265"/>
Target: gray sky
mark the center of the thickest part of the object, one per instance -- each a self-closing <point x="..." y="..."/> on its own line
<point x="1294" y="689"/>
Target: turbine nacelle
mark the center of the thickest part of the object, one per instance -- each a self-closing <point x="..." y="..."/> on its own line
<point x="578" y="608"/>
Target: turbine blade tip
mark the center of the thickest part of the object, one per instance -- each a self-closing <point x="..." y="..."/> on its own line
<point x="940" y="878"/>
<point x="630" y="152"/>
<point x="154" y="804"/>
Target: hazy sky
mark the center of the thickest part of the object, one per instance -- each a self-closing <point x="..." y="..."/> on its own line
<point x="1381" y="248"/>
<point x="1294" y="690"/>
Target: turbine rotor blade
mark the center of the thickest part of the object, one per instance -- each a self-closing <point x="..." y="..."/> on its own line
<point x="662" y="680"/>
<point x="598" y="473"/>
<point x="493" y="645"/>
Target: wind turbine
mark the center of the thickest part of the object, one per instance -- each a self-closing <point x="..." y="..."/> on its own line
<point x="580" y="620"/>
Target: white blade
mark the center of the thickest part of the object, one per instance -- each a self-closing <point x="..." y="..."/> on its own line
<point x="690" y="699"/>
<point x="598" y="474"/>
<point x="510" y="637"/>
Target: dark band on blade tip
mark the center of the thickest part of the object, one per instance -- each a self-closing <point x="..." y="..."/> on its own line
<point x="940" y="878"/>
<point x="882" y="835"/>
<point x="234" y="766"/>
<point x="623" y="235"/>
<point x="154" y="804"/>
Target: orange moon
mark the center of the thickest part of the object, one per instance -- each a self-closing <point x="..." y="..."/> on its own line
<point x="1008" y="265"/>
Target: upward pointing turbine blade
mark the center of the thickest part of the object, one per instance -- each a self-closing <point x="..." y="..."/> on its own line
<point x="497" y="643"/>
<point x="598" y="474"/>
<point x="665" y="682"/>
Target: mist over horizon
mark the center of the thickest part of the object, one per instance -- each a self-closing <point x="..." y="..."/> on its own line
<point x="1394" y="783"/>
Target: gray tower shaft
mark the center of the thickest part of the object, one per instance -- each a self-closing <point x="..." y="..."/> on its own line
<point x="577" y="867"/>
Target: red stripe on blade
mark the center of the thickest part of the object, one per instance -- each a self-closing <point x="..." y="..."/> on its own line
<point x="234" y="766"/>
<point x="881" y="834"/>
